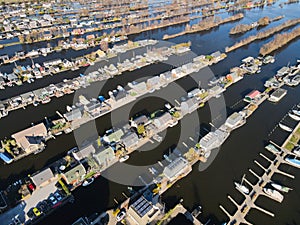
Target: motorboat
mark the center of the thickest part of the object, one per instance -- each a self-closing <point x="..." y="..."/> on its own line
<point x="293" y="161"/>
<point x="294" y="117"/>
<point x="274" y="194"/>
<point x="241" y="188"/>
<point x="297" y="151"/>
<point x="285" y="127"/>
<point x="124" y="158"/>
<point x="272" y="148"/>
<point x="280" y="187"/>
<point x="88" y="182"/>
<point x="296" y="112"/>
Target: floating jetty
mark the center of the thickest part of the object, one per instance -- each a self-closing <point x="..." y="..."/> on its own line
<point x="260" y="188"/>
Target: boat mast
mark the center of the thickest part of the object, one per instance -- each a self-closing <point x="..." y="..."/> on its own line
<point x="243" y="179"/>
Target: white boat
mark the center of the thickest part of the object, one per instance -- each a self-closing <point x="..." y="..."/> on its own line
<point x="168" y="106"/>
<point x="296" y="112"/>
<point x="293" y="161"/>
<point x="284" y="127"/>
<point x="281" y="188"/>
<point x="297" y="151"/>
<point x="241" y="187"/>
<point x="274" y="194"/>
<point x="35" y="103"/>
<point x="88" y="181"/>
<point x="69" y="108"/>
<point x="174" y="123"/>
<point x="59" y="133"/>
<point x="272" y="148"/>
<point x="124" y="158"/>
<point x="294" y="117"/>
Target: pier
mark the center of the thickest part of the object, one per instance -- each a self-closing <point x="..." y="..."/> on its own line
<point x="257" y="189"/>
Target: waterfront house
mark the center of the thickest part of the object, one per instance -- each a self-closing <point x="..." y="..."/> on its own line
<point x="118" y="94"/>
<point x="93" y="108"/>
<point x="2" y="81"/>
<point x="252" y="96"/>
<point x="248" y="61"/>
<point x="188" y="106"/>
<point x="104" y="156"/>
<point x="75" y="114"/>
<point x="188" y="68"/>
<point x="176" y="168"/>
<point x="139" y="87"/>
<point x="163" y="121"/>
<point x="114" y="137"/>
<point x="12" y="77"/>
<point x="217" y="56"/>
<point x="84" y="152"/>
<point x="42" y="178"/>
<point x="234" y="77"/>
<point x="177" y="72"/>
<point x="111" y="70"/>
<point x="15" y="101"/>
<point x="144" y="210"/>
<point x="4" y="59"/>
<point x="130" y="140"/>
<point x="53" y="62"/>
<point x="139" y="120"/>
<point x="167" y="76"/>
<point x="234" y="119"/>
<point x="44" y="23"/>
<point x="31" y="139"/>
<point x="75" y="174"/>
<point x="153" y="82"/>
<point x="194" y="92"/>
<point x="67" y="64"/>
<point x="216" y="90"/>
<point x="27" y="97"/>
<point x="283" y="71"/>
<point x="33" y="24"/>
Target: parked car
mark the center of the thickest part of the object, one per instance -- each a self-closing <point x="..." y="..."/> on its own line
<point x="30" y="213"/>
<point x="31" y="186"/>
<point x="52" y="199"/>
<point x="121" y="216"/>
<point x="58" y="196"/>
<point x="36" y="211"/>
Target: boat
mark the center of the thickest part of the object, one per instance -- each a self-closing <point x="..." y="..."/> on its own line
<point x="285" y="127"/>
<point x="46" y="100"/>
<point x="293" y="161"/>
<point x="157" y="138"/>
<point x="88" y="181"/>
<point x="58" y="133"/>
<point x="124" y="158"/>
<point x="274" y="194"/>
<point x="272" y="148"/>
<point x="174" y="123"/>
<point x="296" y="112"/>
<point x="6" y="157"/>
<point x="281" y="188"/>
<point x="35" y="103"/>
<point x="241" y="187"/>
<point x="297" y="151"/>
<point x="213" y="81"/>
<point x="294" y="117"/>
<point x="69" y="108"/>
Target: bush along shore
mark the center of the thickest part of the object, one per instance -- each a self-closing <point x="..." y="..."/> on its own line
<point x="263" y="34"/>
<point x="279" y="41"/>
